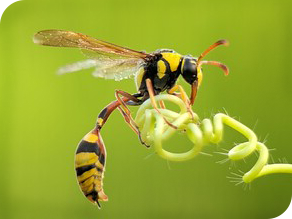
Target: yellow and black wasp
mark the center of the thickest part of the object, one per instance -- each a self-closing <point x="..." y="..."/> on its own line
<point x="154" y="73"/>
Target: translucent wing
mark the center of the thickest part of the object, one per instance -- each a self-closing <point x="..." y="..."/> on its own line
<point x="117" y="69"/>
<point x="63" y="38"/>
<point x="110" y="61"/>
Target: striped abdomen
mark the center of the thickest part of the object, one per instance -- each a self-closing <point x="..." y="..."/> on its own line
<point x="90" y="165"/>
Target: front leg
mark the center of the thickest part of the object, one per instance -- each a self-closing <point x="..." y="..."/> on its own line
<point x="182" y="94"/>
<point x="151" y="93"/>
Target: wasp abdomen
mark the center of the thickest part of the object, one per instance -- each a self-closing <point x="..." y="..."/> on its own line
<point x="90" y="166"/>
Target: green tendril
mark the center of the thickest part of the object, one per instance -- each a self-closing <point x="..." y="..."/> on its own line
<point x="154" y="130"/>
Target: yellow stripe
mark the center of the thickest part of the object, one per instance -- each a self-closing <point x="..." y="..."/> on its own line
<point x="89" y="189"/>
<point x="87" y="183"/>
<point x="99" y="121"/>
<point x="98" y="164"/>
<point x="200" y="76"/>
<point x="161" y="68"/>
<point x="182" y="66"/>
<point x="139" y="77"/>
<point x="173" y="59"/>
<point x="90" y="137"/>
<point x="83" y="159"/>
<point x="98" y="185"/>
<point x="87" y="174"/>
<point x="193" y="62"/>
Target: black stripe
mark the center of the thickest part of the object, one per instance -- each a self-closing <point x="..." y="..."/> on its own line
<point x="81" y="170"/>
<point x="167" y="65"/>
<point x="102" y="113"/>
<point x="94" y="195"/>
<point x="101" y="159"/>
<point x="85" y="146"/>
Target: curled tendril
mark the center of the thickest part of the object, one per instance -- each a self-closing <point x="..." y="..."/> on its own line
<point x="154" y="131"/>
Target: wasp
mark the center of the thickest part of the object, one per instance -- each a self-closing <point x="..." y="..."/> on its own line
<point x="153" y="73"/>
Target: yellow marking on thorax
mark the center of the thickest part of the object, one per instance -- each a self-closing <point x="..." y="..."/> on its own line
<point x="90" y="137"/>
<point x="173" y="59"/>
<point x="182" y="66"/>
<point x="139" y="77"/>
<point x="161" y="69"/>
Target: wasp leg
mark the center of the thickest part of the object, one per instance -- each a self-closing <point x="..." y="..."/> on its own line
<point x="125" y="110"/>
<point x="133" y="103"/>
<point x="183" y="96"/>
<point x="153" y="102"/>
<point x="161" y="104"/>
<point x="182" y="93"/>
<point x="106" y="112"/>
<point x="126" y="113"/>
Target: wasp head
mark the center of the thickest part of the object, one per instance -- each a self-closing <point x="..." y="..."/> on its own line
<point x="190" y="71"/>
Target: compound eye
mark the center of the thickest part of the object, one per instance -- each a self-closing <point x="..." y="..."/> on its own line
<point x="189" y="72"/>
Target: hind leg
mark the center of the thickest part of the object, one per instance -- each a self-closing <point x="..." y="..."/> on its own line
<point x="126" y="113"/>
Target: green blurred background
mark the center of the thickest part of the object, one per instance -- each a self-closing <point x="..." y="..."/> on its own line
<point x="43" y="116"/>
